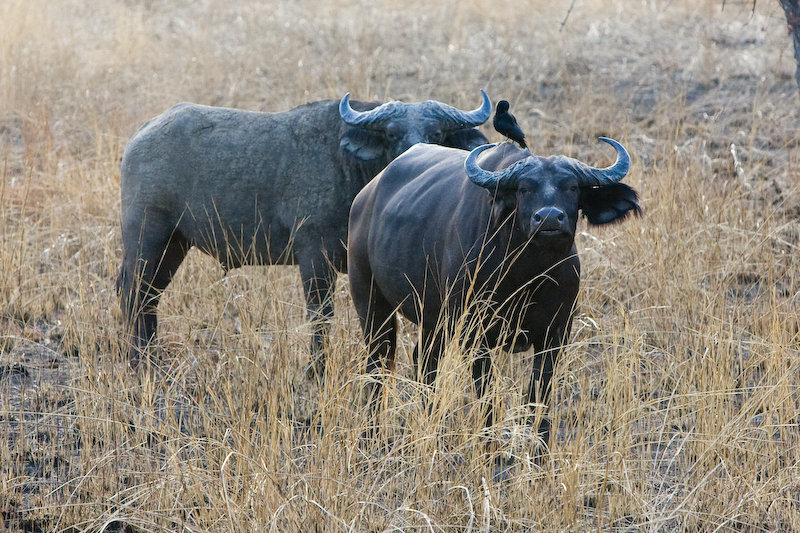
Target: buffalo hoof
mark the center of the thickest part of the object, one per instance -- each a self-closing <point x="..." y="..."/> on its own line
<point x="315" y="369"/>
<point x="144" y="358"/>
<point x="504" y="469"/>
<point x="136" y="356"/>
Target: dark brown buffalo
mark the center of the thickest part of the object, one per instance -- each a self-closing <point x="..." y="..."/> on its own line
<point x="442" y="231"/>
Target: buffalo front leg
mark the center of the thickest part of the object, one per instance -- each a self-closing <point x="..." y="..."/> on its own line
<point x="540" y="386"/>
<point x="430" y="346"/>
<point x="427" y="353"/>
<point x="319" y="281"/>
<point x="481" y="377"/>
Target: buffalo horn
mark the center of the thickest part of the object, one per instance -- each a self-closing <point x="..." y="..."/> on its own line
<point x="506" y="178"/>
<point x="589" y="176"/>
<point x="455" y="119"/>
<point x="366" y="118"/>
<point x="450" y="117"/>
<point x="597" y="177"/>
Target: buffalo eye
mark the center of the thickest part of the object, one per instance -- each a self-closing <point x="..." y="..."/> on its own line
<point x="393" y="133"/>
<point x="523" y="190"/>
<point x="435" y="136"/>
<point x="573" y="188"/>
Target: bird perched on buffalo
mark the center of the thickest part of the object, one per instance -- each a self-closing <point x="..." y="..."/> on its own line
<point x="505" y="124"/>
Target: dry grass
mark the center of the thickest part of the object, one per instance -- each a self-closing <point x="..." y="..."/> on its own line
<point x="676" y="403"/>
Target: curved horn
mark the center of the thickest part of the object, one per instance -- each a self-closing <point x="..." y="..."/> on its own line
<point x="367" y="118"/>
<point x="591" y="176"/>
<point x="506" y="178"/>
<point x="449" y="117"/>
<point x="455" y="119"/>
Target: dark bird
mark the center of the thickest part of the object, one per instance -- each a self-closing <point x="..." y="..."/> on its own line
<point x="505" y="124"/>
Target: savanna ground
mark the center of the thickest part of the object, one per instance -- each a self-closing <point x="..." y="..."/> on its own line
<point x="676" y="403"/>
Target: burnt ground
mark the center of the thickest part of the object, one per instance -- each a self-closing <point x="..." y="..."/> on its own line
<point x="39" y="425"/>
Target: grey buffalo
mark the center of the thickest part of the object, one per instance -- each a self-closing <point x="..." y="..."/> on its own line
<point x="259" y="189"/>
<point x="441" y="227"/>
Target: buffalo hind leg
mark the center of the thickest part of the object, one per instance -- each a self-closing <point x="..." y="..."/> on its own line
<point x="142" y="279"/>
<point x="432" y="345"/>
<point x="319" y="282"/>
<point x="380" y="331"/>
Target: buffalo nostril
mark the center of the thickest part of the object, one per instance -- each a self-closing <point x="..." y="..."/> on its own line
<point x="549" y="219"/>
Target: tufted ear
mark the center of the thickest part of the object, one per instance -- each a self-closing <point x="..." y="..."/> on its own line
<point x="466" y="139"/>
<point x="362" y="144"/>
<point x="610" y="203"/>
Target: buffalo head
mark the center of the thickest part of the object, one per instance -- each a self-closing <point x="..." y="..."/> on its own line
<point x="545" y="194"/>
<point x="394" y="127"/>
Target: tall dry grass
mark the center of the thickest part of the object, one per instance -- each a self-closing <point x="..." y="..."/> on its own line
<point x="675" y="404"/>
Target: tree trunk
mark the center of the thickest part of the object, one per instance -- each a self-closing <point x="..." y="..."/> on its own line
<point x="792" y="10"/>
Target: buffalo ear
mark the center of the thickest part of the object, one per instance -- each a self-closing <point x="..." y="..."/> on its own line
<point x="362" y="144"/>
<point x="503" y="205"/>
<point x="466" y="139"/>
<point x="609" y="203"/>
